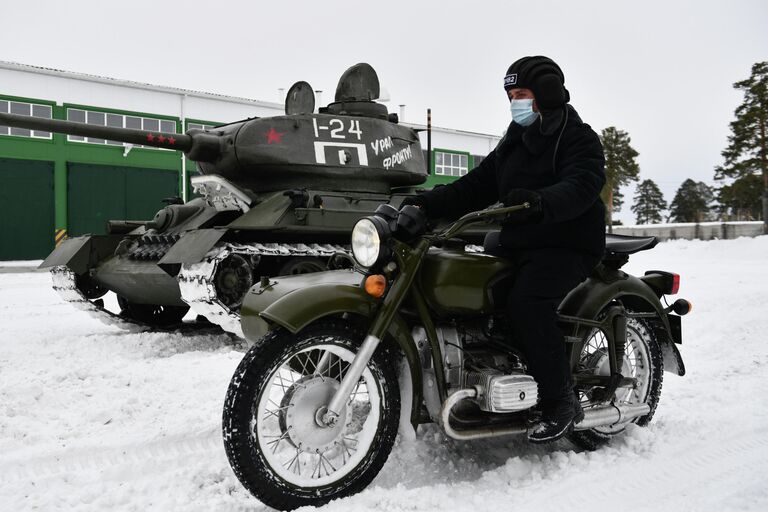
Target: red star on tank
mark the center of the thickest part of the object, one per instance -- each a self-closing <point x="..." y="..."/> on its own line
<point x="274" y="136"/>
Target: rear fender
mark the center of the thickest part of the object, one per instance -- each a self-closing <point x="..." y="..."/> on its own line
<point x="594" y="294"/>
<point x="294" y="302"/>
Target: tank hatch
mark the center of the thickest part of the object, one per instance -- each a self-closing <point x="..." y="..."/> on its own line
<point x="355" y="94"/>
<point x="300" y="99"/>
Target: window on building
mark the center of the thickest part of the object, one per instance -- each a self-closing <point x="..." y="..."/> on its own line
<point x="199" y="126"/>
<point x="451" y="164"/>
<point x="25" y="109"/>
<point x="117" y="121"/>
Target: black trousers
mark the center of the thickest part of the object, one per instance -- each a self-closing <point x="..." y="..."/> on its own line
<point x="544" y="277"/>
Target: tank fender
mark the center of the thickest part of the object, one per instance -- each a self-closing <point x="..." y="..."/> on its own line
<point x="72" y="252"/>
<point x="192" y="247"/>
<point x="310" y="297"/>
<point x="82" y="253"/>
<point x="594" y="294"/>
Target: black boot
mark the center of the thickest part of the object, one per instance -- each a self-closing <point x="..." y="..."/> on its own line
<point x="557" y="419"/>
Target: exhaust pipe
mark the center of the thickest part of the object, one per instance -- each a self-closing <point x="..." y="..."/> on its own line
<point x="596" y="417"/>
<point x="611" y="415"/>
<point x="475" y="433"/>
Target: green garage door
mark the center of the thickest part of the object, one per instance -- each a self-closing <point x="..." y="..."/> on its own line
<point x="26" y="209"/>
<point x="98" y="193"/>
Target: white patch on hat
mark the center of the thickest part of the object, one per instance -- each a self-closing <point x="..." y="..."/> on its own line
<point x="510" y="80"/>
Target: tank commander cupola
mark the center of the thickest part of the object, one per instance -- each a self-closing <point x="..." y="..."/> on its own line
<point x="356" y="94"/>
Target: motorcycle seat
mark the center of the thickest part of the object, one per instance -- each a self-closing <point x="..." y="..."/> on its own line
<point x="624" y="244"/>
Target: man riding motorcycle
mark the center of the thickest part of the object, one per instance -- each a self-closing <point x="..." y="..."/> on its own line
<point x="554" y="161"/>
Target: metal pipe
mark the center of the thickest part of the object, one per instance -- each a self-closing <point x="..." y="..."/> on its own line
<point x="184" y="179"/>
<point x="351" y="379"/>
<point x="429" y="141"/>
<point x="478" y="433"/>
<point x="610" y="415"/>
<point x="323" y="363"/>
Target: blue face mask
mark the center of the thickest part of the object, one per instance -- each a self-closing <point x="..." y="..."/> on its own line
<point x="522" y="112"/>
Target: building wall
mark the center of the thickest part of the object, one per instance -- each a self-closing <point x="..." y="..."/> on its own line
<point x="693" y="231"/>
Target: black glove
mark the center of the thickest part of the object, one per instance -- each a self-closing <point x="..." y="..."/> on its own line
<point x="530" y="215"/>
<point x="416" y="200"/>
<point x="411" y="222"/>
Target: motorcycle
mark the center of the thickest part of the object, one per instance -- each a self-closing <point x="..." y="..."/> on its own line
<point x="312" y="411"/>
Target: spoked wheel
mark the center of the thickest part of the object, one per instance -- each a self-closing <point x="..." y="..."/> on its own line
<point x="642" y="361"/>
<point x="276" y="441"/>
<point x="156" y="315"/>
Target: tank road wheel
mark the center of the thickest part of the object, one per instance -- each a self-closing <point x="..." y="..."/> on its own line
<point x="302" y="265"/>
<point x="275" y="440"/>
<point x="233" y="279"/>
<point x="90" y="288"/>
<point x="642" y="360"/>
<point x="156" y="315"/>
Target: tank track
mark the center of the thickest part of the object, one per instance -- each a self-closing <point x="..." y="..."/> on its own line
<point x="196" y="281"/>
<point x="196" y="284"/>
<point x="64" y="283"/>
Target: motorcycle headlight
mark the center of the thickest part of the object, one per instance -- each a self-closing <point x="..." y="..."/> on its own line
<point x="367" y="238"/>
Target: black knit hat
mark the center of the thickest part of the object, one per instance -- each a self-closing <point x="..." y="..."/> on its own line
<point x="542" y="76"/>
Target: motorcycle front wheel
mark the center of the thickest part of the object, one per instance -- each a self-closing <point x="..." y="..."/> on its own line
<point x="274" y="439"/>
<point x="642" y="361"/>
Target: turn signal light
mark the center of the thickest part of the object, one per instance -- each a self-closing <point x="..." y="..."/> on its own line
<point x="375" y="285"/>
<point x="682" y="307"/>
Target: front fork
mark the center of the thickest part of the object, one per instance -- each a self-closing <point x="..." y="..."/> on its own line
<point x="407" y="260"/>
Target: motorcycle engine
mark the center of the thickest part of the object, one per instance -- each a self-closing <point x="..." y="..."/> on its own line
<point x="503" y="393"/>
<point x="474" y="356"/>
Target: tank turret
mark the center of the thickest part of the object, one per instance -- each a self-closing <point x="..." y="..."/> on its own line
<point x="352" y="144"/>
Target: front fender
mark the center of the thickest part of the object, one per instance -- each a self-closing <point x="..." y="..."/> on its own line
<point x="83" y="252"/>
<point x="594" y="294"/>
<point x="293" y="302"/>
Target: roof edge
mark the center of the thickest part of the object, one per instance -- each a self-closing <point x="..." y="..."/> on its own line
<point x="28" y="68"/>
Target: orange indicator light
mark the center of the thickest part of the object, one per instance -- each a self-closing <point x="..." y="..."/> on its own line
<point x="375" y="285"/>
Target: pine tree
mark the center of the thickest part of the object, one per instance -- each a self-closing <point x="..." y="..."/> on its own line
<point x="741" y="200"/>
<point x="692" y="202"/>
<point x="747" y="151"/>
<point x="648" y="203"/>
<point x="620" y="168"/>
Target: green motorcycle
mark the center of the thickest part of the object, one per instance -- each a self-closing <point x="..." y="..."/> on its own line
<point x="415" y="333"/>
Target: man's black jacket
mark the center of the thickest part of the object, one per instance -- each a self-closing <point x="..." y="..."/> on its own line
<point x="569" y="183"/>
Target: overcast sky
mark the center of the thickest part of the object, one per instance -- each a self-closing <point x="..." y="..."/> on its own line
<point x="661" y="70"/>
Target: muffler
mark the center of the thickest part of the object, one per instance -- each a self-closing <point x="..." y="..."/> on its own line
<point x="611" y="415"/>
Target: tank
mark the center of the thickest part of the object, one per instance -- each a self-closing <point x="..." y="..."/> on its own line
<point x="278" y="195"/>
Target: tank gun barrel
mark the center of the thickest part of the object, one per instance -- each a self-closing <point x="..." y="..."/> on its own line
<point x="198" y="145"/>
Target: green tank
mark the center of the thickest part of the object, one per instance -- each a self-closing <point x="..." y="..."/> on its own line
<point x="278" y="195"/>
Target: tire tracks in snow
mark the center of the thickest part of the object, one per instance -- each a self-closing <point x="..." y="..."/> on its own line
<point x="690" y="474"/>
<point x="78" y="460"/>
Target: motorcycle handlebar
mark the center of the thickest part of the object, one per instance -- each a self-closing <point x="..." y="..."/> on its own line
<point x="479" y="216"/>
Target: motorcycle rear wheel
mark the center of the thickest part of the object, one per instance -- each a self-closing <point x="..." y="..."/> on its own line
<point x="643" y="360"/>
<point x="271" y="434"/>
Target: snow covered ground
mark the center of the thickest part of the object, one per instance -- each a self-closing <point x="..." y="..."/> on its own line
<point x="94" y="418"/>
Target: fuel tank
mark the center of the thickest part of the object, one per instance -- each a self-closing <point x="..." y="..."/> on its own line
<point x="458" y="282"/>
